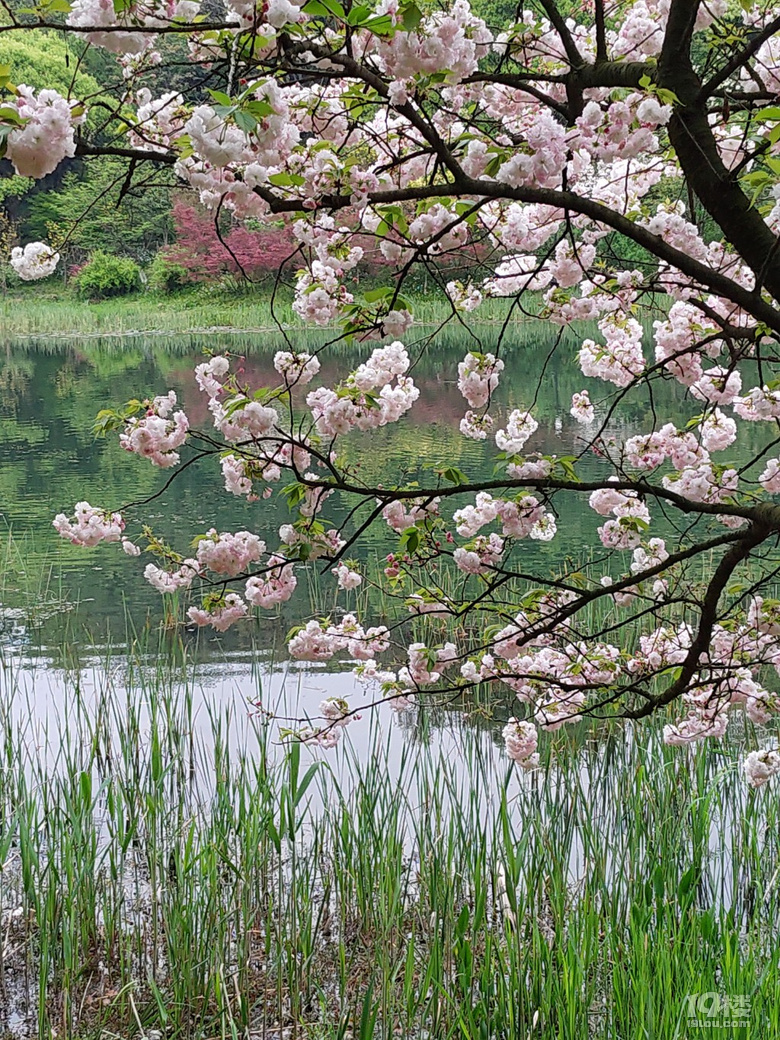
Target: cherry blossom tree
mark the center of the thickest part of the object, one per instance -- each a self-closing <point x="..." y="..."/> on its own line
<point x="618" y="168"/>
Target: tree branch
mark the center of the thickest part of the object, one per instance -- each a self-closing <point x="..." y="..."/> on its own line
<point x="707" y="619"/>
<point x="739" y="59"/>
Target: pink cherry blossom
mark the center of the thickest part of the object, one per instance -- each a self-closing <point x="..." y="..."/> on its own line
<point x="296" y="368"/>
<point x="520" y="741"/>
<point x="220" y="616"/>
<point x="47" y="136"/>
<point x="89" y="526"/>
<point x="276" y="584"/>
<point x="170" y="581"/>
<point x="347" y="578"/>
<point x="520" y="426"/>
<point x="581" y="408"/>
<point x="227" y="553"/>
<point x="761" y="766"/>
<point x="478" y="377"/>
<point x="475" y="426"/>
<point x="312" y="643"/>
<point x="156" y="436"/>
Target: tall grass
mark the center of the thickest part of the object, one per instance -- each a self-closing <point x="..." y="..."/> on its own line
<point x="167" y="865"/>
<point x="190" y="313"/>
<point x="140" y="315"/>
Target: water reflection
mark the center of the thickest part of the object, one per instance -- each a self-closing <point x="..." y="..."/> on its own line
<point x="62" y="604"/>
<point x="50" y="392"/>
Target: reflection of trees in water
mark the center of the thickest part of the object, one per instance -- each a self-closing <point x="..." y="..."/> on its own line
<point x="14" y="632"/>
<point x="16" y="372"/>
<point x="66" y="381"/>
<point x="480" y="711"/>
<point x="50" y="392"/>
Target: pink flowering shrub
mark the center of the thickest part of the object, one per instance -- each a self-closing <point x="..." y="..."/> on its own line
<point x="205" y="253"/>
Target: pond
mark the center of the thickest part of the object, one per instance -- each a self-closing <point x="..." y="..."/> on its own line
<point x="145" y="794"/>
<point x="51" y="389"/>
<point x="50" y="392"/>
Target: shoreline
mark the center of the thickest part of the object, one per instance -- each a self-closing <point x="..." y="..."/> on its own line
<point x="190" y="314"/>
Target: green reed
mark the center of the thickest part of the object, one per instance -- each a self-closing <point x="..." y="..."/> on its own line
<point x="168" y="865"/>
<point x="251" y="310"/>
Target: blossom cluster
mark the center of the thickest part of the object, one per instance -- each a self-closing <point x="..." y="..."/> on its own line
<point x="375" y="394"/>
<point x="107" y="17"/>
<point x="478" y="376"/>
<point x="89" y="526"/>
<point x="35" y="261"/>
<point x="522" y="517"/>
<point x="336" y="715"/>
<point x="521" y="740"/>
<point x="43" y="134"/>
<point x="157" y="435"/>
<point x="319" y="641"/>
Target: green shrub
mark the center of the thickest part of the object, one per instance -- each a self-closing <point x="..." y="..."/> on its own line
<point x="105" y="275"/>
<point x="166" y="275"/>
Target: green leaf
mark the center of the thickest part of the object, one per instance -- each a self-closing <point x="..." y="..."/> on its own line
<point x="328" y="9"/>
<point x="105" y="421"/>
<point x="658" y="882"/>
<point x="666" y="97"/>
<point x="273" y="834"/>
<point x="358" y="15"/>
<point x="454" y="475"/>
<point x="411" y="16"/>
<point x="259" y="109"/>
<point x="295" y="494"/>
<point x="368" y="1016"/>
<point x="494" y="165"/>
<point x="687" y="881"/>
<point x="410" y="540"/>
<point x="307" y="779"/>
<point x="285" y="180"/>
<point x="221" y="98"/>
<point x="375" y="295"/>
<point x="245" y="121"/>
<point x="380" y="26"/>
<point x="10" y="115"/>
<point x="183" y="145"/>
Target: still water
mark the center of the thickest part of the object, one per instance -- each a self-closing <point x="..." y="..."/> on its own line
<point x="62" y="607"/>
<point x="50" y="392"/>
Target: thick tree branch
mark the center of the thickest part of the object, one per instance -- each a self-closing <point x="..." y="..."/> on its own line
<point x="765" y="514"/>
<point x="738" y="552"/>
<point x="697" y="151"/>
<point x="565" y="200"/>
<point x="566" y="38"/>
<point x="135" y="154"/>
<point x="148" y="30"/>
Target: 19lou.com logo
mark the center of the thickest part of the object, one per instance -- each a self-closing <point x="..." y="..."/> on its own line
<point x="710" y="1010"/>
